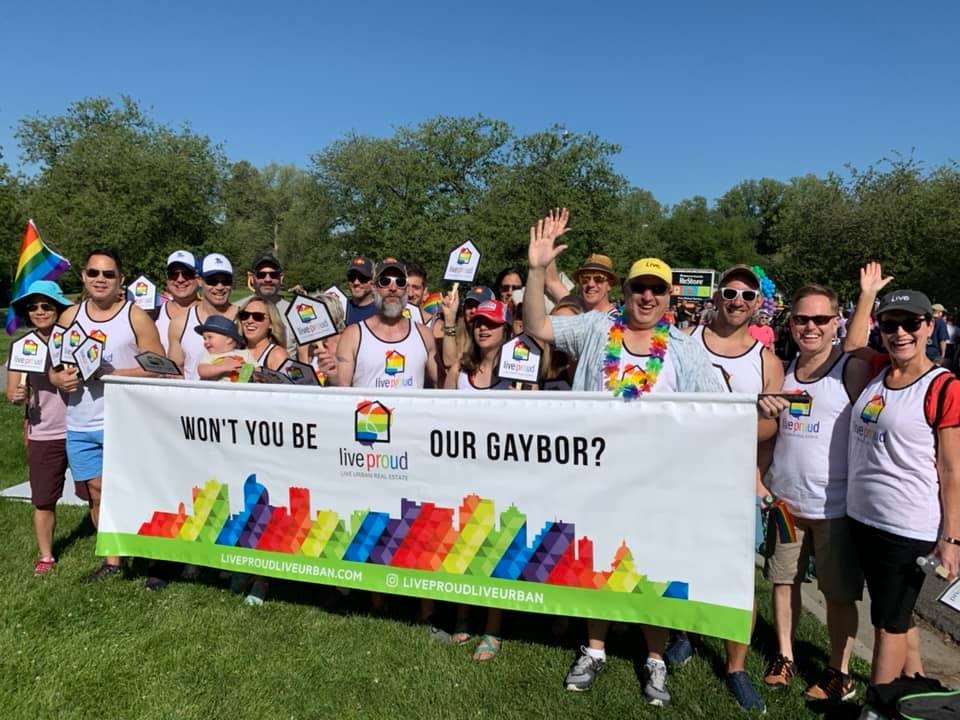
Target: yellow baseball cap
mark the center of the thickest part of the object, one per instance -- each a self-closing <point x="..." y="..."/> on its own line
<point x="651" y="266"/>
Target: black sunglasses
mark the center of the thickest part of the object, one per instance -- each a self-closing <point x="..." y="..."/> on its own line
<point x="638" y="287"/>
<point x="248" y="314"/>
<point x="357" y="277"/>
<point x="219" y="279"/>
<point x="385" y="280"/>
<point x="97" y="272"/>
<point x="42" y="306"/>
<point x="748" y="295"/>
<point x="264" y="274"/>
<point x="910" y="324"/>
<point x="178" y="274"/>
<point x="818" y="320"/>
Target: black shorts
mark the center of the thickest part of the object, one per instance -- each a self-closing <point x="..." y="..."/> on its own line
<point x="893" y="577"/>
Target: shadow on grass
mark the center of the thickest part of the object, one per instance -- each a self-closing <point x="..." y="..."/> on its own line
<point x="80" y="531"/>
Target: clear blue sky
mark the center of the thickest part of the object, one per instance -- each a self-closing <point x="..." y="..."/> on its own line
<point x="700" y="95"/>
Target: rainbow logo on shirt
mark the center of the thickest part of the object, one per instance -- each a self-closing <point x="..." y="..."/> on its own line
<point x="140" y="289"/>
<point x="520" y="351"/>
<point x="634" y="374"/>
<point x="801" y="408"/>
<point x="394" y="363"/>
<point x="372" y="421"/>
<point x="99" y="334"/>
<point x="29" y="347"/>
<point x="463" y="258"/>
<point x="872" y="409"/>
<point x="306" y="313"/>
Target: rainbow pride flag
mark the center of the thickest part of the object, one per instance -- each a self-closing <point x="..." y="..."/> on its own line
<point x="37" y="262"/>
<point x="432" y="304"/>
<point x="783" y="521"/>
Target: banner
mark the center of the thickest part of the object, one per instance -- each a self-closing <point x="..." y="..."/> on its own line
<point x="697" y="284"/>
<point x="566" y="503"/>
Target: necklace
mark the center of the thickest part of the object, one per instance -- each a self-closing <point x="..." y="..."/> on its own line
<point x="611" y="362"/>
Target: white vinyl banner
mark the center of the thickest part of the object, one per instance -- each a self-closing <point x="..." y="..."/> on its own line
<point x="566" y="503"/>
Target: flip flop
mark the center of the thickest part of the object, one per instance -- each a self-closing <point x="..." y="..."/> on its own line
<point x="488" y="648"/>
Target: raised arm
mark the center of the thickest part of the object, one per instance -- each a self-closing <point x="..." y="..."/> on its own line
<point x="872" y="282"/>
<point x="541" y="253"/>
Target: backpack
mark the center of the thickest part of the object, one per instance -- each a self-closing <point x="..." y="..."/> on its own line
<point x="916" y="698"/>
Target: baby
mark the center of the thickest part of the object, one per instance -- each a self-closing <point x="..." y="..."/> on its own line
<point x="225" y="357"/>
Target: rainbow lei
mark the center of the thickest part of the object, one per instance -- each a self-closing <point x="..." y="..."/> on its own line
<point x="611" y="363"/>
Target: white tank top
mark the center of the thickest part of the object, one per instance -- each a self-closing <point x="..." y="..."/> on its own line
<point x="634" y="365"/>
<point x="464" y="383"/>
<point x="809" y="470"/>
<point x="191" y="342"/>
<point x="390" y="365"/>
<point x="163" y="327"/>
<point x="85" y="406"/>
<point x="262" y="360"/>
<point x="893" y="482"/>
<point x="742" y="373"/>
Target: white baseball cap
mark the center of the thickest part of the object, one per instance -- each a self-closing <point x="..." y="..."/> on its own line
<point x="182" y="257"/>
<point x="216" y="263"/>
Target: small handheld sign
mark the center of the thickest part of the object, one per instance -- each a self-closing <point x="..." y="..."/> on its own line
<point x="29" y="354"/>
<point x="336" y="292"/>
<point x="89" y="358"/>
<point x="463" y="263"/>
<point x="271" y="377"/>
<point x="73" y="338"/>
<point x="299" y="373"/>
<point x="56" y="344"/>
<point x="309" y="320"/>
<point x="157" y="363"/>
<point x="520" y="360"/>
<point x="143" y="293"/>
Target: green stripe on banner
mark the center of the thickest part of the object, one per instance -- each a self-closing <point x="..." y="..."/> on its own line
<point x="706" y="618"/>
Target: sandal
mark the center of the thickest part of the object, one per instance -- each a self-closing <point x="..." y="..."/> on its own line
<point x="461" y="637"/>
<point x="488" y="648"/>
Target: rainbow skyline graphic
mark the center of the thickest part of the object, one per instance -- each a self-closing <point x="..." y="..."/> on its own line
<point x="424" y="536"/>
<point x="871" y="411"/>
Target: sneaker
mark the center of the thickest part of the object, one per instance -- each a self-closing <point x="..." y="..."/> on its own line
<point x="43" y="566"/>
<point x="655" y="683"/>
<point x="258" y="592"/>
<point x="780" y="672"/>
<point x="832" y="685"/>
<point x="746" y="694"/>
<point x="104" y="571"/>
<point x="680" y="651"/>
<point x="584" y="671"/>
<point x="154" y="583"/>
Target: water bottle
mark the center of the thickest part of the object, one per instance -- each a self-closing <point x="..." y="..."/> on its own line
<point x="931" y="566"/>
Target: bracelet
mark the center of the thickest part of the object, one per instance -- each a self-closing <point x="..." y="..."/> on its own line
<point x="450" y="331"/>
<point x="449" y="327"/>
<point x="951" y="540"/>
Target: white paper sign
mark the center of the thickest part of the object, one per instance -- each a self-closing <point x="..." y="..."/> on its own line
<point x="336" y="292"/>
<point x="29" y="354"/>
<point x="89" y="357"/>
<point x="463" y="263"/>
<point x="309" y="320"/>
<point x="143" y="293"/>
<point x="74" y="337"/>
<point x="55" y="344"/>
<point x="520" y="359"/>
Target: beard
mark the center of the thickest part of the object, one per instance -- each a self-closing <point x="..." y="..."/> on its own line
<point x="390" y="310"/>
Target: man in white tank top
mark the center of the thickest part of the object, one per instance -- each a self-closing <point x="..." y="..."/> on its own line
<point x="216" y="282"/>
<point x="746" y="366"/>
<point x="809" y="477"/>
<point x="182" y="284"/>
<point x="125" y="331"/>
<point x="387" y="351"/>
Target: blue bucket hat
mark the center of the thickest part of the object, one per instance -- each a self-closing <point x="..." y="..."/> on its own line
<point x="222" y="325"/>
<point x="46" y="288"/>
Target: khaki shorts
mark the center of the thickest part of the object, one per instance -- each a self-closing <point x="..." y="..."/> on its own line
<point x="839" y="575"/>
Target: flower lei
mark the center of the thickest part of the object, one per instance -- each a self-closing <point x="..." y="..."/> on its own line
<point x="611" y="363"/>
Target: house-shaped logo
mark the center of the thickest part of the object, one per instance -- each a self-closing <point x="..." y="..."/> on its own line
<point x="56" y="339"/>
<point x="372" y="421"/>
<point x="140" y="289"/>
<point x="463" y="258"/>
<point x="872" y="409"/>
<point x="306" y="313"/>
<point x="634" y="374"/>
<point x="801" y="408"/>
<point x="99" y="334"/>
<point x="521" y="352"/>
<point x="29" y="347"/>
<point x="75" y="339"/>
<point x="394" y="363"/>
<point x="93" y="352"/>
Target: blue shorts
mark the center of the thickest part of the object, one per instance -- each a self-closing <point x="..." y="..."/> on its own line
<point x="85" y="454"/>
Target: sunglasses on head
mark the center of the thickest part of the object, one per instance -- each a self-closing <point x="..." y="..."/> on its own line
<point x="638" y="287"/>
<point x="41" y="306"/>
<point x="97" y="272"/>
<point x="357" y="277"/>
<point x="264" y="274"/>
<point x="595" y="278"/>
<point x="218" y="279"/>
<point x="748" y="295"/>
<point x="910" y="324"/>
<point x="251" y="315"/>
<point x="818" y="320"/>
<point x="385" y="280"/>
<point x="180" y="274"/>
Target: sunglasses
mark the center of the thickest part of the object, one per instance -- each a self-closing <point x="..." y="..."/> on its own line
<point x="910" y="324"/>
<point x="595" y="278"/>
<point x="97" y="272"/>
<point x="41" y="306"/>
<point x="639" y="288"/>
<point x="214" y="280"/>
<point x="818" y="320"/>
<point x="180" y="275"/>
<point x="510" y="288"/>
<point x="264" y="274"/>
<point x="357" y="277"/>
<point x="251" y="315"/>
<point x="385" y="280"/>
<point x="748" y="295"/>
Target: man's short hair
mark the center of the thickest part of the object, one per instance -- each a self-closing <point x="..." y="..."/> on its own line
<point x="417" y="270"/>
<point x="815" y="289"/>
